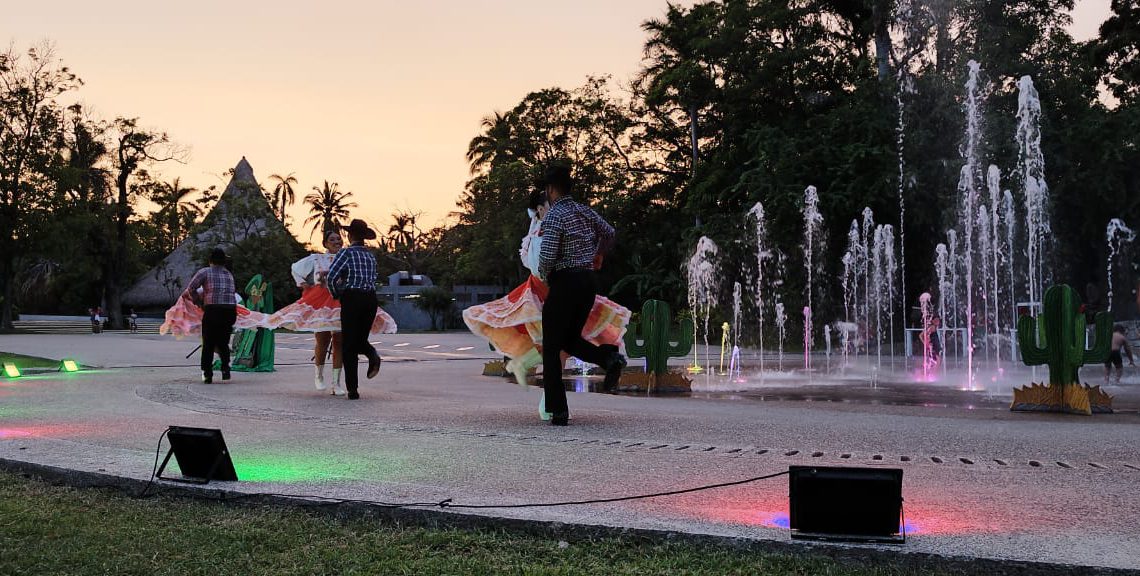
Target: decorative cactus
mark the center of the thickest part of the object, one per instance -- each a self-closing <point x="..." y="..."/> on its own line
<point x="659" y="338"/>
<point x="1062" y="332"/>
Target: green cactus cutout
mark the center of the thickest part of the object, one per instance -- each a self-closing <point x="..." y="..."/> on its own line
<point x="659" y="338"/>
<point x="1062" y="335"/>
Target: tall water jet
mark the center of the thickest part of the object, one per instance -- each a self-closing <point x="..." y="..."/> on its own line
<point x="852" y="264"/>
<point x="850" y="282"/>
<point x="702" y="276"/>
<point x="763" y="253"/>
<point x="968" y="191"/>
<point x="890" y="269"/>
<point x="952" y="243"/>
<point x="1117" y="234"/>
<point x="993" y="185"/>
<point x="781" y="317"/>
<point x="1010" y="231"/>
<point x="865" y="259"/>
<point x="985" y="251"/>
<point x="877" y="250"/>
<point x="812" y="222"/>
<point x="737" y="290"/>
<point x="924" y="305"/>
<point x="941" y="269"/>
<point x="1031" y="162"/>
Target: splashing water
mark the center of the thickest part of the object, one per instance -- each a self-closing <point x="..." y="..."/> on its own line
<point x="813" y="220"/>
<point x="781" y="317"/>
<point x="924" y="305"/>
<point x="762" y="256"/>
<point x="1117" y="234"/>
<point x="1031" y="161"/>
<point x="993" y="185"/>
<point x="702" y="276"/>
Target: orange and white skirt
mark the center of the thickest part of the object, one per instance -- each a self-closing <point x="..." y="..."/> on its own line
<point x="318" y="311"/>
<point x="184" y="319"/>
<point x="513" y="323"/>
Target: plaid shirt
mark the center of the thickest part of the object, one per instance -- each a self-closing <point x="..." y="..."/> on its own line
<point x="353" y="268"/>
<point x="572" y="234"/>
<point x="217" y="286"/>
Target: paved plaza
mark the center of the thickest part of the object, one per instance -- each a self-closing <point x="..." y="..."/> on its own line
<point x="979" y="481"/>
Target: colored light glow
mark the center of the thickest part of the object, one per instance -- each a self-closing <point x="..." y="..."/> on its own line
<point x="6" y="433"/>
<point x="296" y="468"/>
<point x="11" y="371"/>
<point x="69" y="365"/>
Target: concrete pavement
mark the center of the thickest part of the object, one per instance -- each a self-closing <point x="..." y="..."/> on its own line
<point x="979" y="481"/>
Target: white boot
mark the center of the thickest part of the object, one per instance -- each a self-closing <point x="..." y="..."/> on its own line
<point x="521" y="366"/>
<point x="320" y="379"/>
<point x="337" y="389"/>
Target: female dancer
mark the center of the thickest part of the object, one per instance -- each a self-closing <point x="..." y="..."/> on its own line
<point x="318" y="312"/>
<point x="513" y="323"/>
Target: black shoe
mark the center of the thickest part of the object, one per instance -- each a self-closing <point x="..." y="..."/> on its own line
<point x="613" y="372"/>
<point x="560" y="419"/>
<point x="207" y="378"/>
<point x="373" y="369"/>
<point x="225" y="374"/>
<point x="353" y="395"/>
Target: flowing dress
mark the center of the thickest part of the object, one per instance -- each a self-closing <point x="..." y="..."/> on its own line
<point x="317" y="310"/>
<point x="513" y="323"/>
<point x="184" y="319"/>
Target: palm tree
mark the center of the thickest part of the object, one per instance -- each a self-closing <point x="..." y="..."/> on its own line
<point x="493" y="144"/>
<point x="327" y="207"/>
<point x="171" y="198"/>
<point x="283" y="194"/>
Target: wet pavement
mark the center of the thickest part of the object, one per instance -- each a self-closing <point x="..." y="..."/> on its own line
<point x="979" y="481"/>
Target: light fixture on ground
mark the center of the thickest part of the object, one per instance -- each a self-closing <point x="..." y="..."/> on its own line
<point x="845" y="504"/>
<point x="10" y="370"/>
<point x="200" y="453"/>
<point x="68" y="365"/>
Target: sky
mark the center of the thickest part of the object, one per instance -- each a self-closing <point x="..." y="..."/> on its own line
<point x="380" y="96"/>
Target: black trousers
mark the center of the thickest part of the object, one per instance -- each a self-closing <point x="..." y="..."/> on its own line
<point x="217" y="325"/>
<point x="564" y="314"/>
<point x="357" y="312"/>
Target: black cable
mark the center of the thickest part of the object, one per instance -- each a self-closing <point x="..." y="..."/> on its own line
<point x="154" y="470"/>
<point x="447" y="503"/>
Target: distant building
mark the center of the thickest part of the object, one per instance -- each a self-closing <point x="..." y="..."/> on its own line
<point x="398" y="298"/>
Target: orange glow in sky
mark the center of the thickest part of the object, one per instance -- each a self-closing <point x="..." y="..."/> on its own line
<point x="380" y="96"/>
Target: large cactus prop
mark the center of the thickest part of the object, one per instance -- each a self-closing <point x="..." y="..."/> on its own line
<point x="1061" y="329"/>
<point x="659" y="338"/>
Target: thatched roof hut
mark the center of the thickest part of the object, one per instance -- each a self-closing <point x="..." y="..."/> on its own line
<point x="241" y="212"/>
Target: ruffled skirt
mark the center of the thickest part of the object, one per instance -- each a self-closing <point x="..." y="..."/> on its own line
<point x="184" y="319"/>
<point x="513" y="323"/>
<point x="318" y="311"/>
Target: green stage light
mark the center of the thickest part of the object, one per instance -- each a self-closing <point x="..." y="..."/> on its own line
<point x="11" y="371"/>
<point x="68" y="365"/>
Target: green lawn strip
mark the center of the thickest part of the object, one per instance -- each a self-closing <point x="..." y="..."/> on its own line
<point x="46" y="529"/>
<point x="22" y="362"/>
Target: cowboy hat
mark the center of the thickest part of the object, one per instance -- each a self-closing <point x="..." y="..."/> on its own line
<point x="358" y="229"/>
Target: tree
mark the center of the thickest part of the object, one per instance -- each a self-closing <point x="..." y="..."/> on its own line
<point x="327" y="207"/>
<point x="133" y="148"/>
<point x="175" y="213"/>
<point x="283" y="193"/>
<point x="437" y="302"/>
<point x="1117" y="50"/>
<point x="494" y="144"/>
<point x="29" y="125"/>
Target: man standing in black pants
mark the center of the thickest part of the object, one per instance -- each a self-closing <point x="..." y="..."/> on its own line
<point x="218" y="300"/>
<point x="574" y="240"/>
<point x="352" y="280"/>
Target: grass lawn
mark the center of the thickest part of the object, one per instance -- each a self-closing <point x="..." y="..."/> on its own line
<point x="46" y="529"/>
<point x="23" y="362"/>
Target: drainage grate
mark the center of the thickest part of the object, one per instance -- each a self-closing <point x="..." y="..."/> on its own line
<point x="1034" y="463"/>
<point x="1095" y="465"/>
<point x="1063" y="465"/>
<point x="1001" y="462"/>
<point x="965" y="461"/>
<point x="685" y="447"/>
<point x="877" y="457"/>
<point x="905" y="459"/>
<point x="845" y="456"/>
<point x="816" y="454"/>
<point x="791" y="452"/>
<point x="936" y="459"/>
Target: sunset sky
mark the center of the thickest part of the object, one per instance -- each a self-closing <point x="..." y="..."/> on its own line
<point x="380" y="96"/>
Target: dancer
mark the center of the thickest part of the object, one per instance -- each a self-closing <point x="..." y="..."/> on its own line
<point x="219" y="312"/>
<point x="318" y="312"/>
<point x="574" y="241"/>
<point x="352" y="280"/>
<point x="513" y="323"/>
<point x="1120" y="348"/>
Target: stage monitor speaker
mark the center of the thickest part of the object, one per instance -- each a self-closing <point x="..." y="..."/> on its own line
<point x="848" y="504"/>
<point x="201" y="455"/>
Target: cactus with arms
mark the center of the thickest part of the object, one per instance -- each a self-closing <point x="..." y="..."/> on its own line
<point x="656" y="332"/>
<point x="1063" y="349"/>
<point x="1061" y="330"/>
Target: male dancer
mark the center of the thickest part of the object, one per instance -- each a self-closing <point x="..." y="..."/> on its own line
<point x="352" y="280"/>
<point x="219" y="312"/>
<point x="574" y="239"/>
